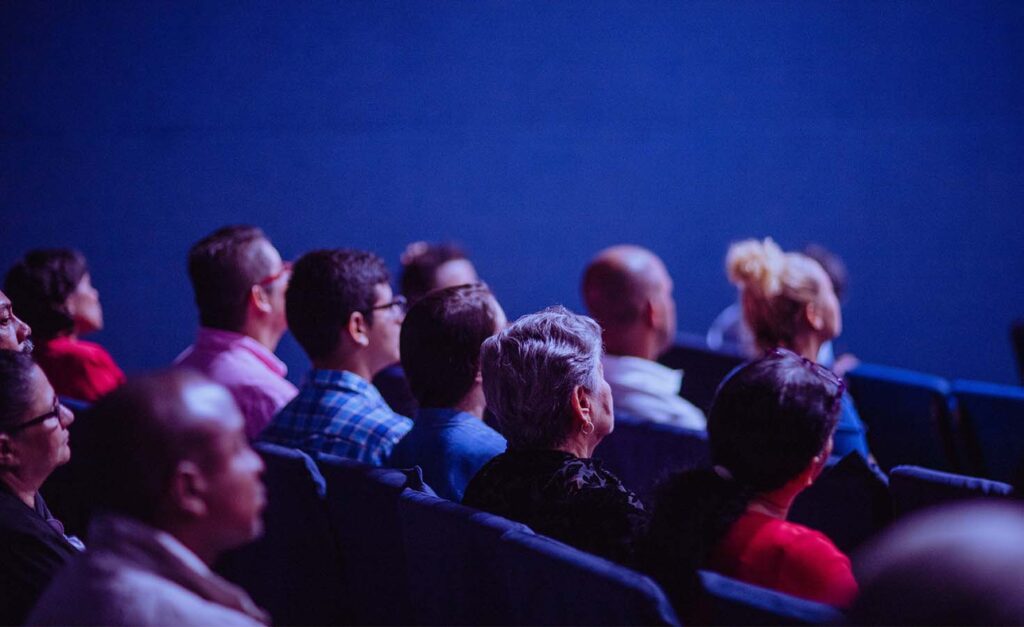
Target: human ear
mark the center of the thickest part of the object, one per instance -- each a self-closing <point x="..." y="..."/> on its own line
<point x="813" y="316"/>
<point x="358" y="329"/>
<point x="188" y="489"/>
<point x="582" y="406"/>
<point x="7" y="455"/>
<point x="258" y="298"/>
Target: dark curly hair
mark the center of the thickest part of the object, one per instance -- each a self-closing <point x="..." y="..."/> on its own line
<point x="326" y="288"/>
<point x="769" y="419"/>
<point x="39" y="285"/>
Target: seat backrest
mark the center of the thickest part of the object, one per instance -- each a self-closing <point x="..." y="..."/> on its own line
<point x="362" y="504"/>
<point x="550" y="583"/>
<point x="1017" y="339"/>
<point x="703" y="369"/>
<point x="293" y="570"/>
<point x="727" y="601"/>
<point x="912" y="488"/>
<point x="849" y="503"/>
<point x="907" y="415"/>
<point x="452" y="557"/>
<point x="641" y="453"/>
<point x="991" y="424"/>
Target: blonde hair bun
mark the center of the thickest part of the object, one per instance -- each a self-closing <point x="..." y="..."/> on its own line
<point x="757" y="266"/>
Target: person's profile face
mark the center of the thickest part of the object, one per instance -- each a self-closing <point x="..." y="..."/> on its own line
<point x="603" y="413"/>
<point x="83" y="305"/>
<point x="42" y="443"/>
<point x="235" y="495"/>
<point x="385" y="328"/>
<point x="828" y="303"/>
<point x="666" y="303"/>
<point x="14" y="334"/>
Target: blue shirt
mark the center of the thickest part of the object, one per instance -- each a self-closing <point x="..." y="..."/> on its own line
<point x="450" y="446"/>
<point x="339" y="413"/>
<point x="850" y="434"/>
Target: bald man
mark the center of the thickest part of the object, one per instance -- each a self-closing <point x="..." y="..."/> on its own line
<point x="169" y="470"/>
<point x="629" y="292"/>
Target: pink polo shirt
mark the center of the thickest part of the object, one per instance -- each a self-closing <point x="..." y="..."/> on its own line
<point x="251" y="372"/>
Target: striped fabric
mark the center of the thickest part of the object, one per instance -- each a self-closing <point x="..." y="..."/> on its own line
<point x="339" y="413"/>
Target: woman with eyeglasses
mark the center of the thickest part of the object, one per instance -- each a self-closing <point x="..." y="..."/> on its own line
<point x="770" y="430"/>
<point x="789" y="302"/>
<point x="33" y="442"/>
<point x="52" y="290"/>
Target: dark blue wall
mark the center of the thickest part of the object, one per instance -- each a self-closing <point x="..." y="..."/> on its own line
<point x="535" y="133"/>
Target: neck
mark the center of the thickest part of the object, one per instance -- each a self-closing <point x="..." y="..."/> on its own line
<point x="772" y="504"/>
<point x="21" y="488"/>
<point x="632" y="343"/>
<point x="473" y="402"/>
<point x="262" y="333"/>
<point x="352" y="362"/>
<point x="193" y="540"/>
<point x="807" y="347"/>
<point x="578" y="446"/>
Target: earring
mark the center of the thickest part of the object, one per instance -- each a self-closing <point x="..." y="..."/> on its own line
<point x="584" y="429"/>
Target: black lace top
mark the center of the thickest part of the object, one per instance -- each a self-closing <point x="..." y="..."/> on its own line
<point x="562" y="496"/>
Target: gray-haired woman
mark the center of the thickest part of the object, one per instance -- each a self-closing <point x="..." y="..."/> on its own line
<point x="542" y="380"/>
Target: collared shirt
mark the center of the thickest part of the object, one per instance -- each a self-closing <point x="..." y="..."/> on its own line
<point x="253" y="374"/>
<point x="450" y="446"/>
<point x="134" y="574"/>
<point x="648" y="390"/>
<point x="339" y="413"/>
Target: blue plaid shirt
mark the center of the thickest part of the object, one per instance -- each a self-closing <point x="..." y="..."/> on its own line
<point x="339" y="413"/>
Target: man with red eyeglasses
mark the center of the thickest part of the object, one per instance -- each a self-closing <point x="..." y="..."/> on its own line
<point x="239" y="282"/>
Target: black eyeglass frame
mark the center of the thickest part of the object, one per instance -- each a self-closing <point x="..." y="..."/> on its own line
<point x="400" y="301"/>
<point x="53" y="413"/>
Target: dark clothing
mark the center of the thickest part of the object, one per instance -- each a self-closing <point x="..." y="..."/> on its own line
<point x="32" y="549"/>
<point x="562" y="496"/>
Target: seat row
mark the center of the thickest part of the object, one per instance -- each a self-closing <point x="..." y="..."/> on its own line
<point x="912" y="418"/>
<point x="350" y="544"/>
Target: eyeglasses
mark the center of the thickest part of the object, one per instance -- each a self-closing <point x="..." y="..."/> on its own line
<point x="286" y="267"/>
<point x="401" y="304"/>
<point x="53" y="413"/>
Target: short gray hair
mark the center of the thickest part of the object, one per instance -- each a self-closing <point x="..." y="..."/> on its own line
<point x="530" y="370"/>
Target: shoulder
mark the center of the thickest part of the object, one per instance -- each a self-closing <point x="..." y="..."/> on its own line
<point x="810" y="564"/>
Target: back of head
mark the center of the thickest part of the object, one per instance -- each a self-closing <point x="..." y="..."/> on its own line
<point x="530" y="370"/>
<point x="420" y="263"/>
<point x="616" y="284"/>
<point x="223" y="267"/>
<point x="769" y="420"/>
<point x="440" y="342"/>
<point x="326" y="288"/>
<point x="957" y="565"/>
<point x="39" y="285"/>
<point x="833" y="265"/>
<point x="774" y="288"/>
<point x="135" y="439"/>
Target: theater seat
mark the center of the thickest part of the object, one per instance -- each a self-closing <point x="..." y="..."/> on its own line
<point x="907" y="415"/>
<point x="991" y="422"/>
<point x="293" y="571"/>
<point x="550" y="583"/>
<point x="913" y="488"/>
<point x="727" y="601"/>
<point x="849" y="503"/>
<point x="362" y="503"/>
<point x="641" y="453"/>
<point x="703" y="369"/>
<point x="452" y="557"/>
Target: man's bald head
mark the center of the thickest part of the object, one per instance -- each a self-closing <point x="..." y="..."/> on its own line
<point x="619" y="281"/>
<point x="139" y="434"/>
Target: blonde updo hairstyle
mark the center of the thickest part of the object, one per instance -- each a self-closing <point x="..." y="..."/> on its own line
<point x="775" y="287"/>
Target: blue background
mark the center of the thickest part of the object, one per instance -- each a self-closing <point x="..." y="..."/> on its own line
<point x="534" y="133"/>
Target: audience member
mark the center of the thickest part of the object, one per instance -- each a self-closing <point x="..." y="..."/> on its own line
<point x="958" y="565"/>
<point x="425" y="267"/>
<point x="770" y="431"/>
<point x="174" y="484"/>
<point x="342" y="311"/>
<point x="239" y="282"/>
<point x="788" y="302"/>
<point x="440" y="347"/>
<point x="33" y="442"/>
<point x="15" y="335"/>
<point x="629" y="292"/>
<point x="53" y="291"/>
<point x="542" y="379"/>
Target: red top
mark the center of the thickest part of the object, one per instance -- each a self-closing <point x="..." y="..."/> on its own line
<point x="80" y="370"/>
<point x="787" y="557"/>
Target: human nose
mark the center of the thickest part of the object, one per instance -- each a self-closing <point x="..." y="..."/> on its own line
<point x="23" y="330"/>
<point x="66" y="416"/>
